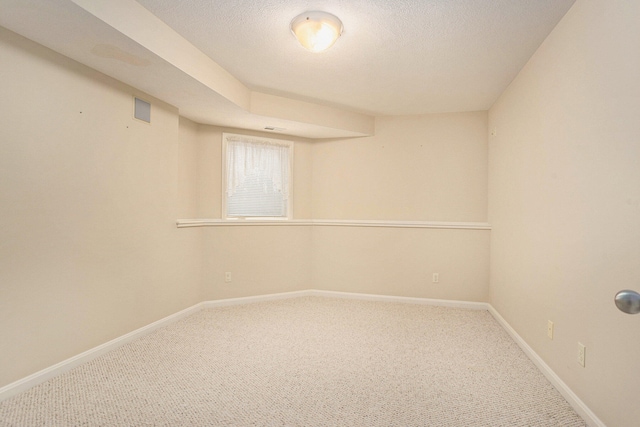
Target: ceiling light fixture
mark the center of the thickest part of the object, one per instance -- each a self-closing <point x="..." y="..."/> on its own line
<point x="316" y="31"/>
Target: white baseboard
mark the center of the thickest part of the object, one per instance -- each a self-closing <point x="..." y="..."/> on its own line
<point x="407" y="300"/>
<point x="578" y="405"/>
<point x="66" y="365"/>
<point x="258" y="298"/>
<point x="347" y="295"/>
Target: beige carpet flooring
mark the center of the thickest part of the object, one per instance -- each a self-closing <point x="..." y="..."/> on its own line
<point x="308" y="361"/>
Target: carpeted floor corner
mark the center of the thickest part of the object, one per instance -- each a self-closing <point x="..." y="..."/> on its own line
<point x="310" y="361"/>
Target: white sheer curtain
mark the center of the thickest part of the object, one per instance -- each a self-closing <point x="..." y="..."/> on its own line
<point x="266" y="164"/>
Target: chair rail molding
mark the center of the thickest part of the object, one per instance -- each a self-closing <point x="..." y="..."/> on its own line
<point x="186" y="223"/>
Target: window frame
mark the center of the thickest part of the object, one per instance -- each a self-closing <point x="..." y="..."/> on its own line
<point x="290" y="145"/>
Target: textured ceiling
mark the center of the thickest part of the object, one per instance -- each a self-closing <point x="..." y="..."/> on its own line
<point x="394" y="57"/>
<point x="235" y="63"/>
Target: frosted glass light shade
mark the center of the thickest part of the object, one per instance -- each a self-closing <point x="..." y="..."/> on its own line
<point x="316" y="31"/>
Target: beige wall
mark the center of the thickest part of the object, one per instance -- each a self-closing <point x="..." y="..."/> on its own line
<point x="444" y="157"/>
<point x="88" y="200"/>
<point x="401" y="262"/>
<point x="189" y="155"/>
<point x="416" y="168"/>
<point x="420" y="168"/>
<point x="261" y="260"/>
<point x="564" y="197"/>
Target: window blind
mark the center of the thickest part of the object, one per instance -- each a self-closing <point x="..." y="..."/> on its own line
<point x="257" y="177"/>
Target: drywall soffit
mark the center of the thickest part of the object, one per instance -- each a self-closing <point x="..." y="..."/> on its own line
<point x="123" y="40"/>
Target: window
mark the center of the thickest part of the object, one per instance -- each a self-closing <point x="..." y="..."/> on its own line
<point x="257" y="177"/>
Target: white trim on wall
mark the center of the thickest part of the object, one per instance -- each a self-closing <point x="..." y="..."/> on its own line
<point x="184" y="223"/>
<point x="32" y="380"/>
<point x="578" y="405"/>
<point x="469" y="305"/>
<point x="258" y="298"/>
<point x="66" y="365"/>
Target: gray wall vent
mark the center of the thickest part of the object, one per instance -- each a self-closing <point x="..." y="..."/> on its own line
<point x="142" y="110"/>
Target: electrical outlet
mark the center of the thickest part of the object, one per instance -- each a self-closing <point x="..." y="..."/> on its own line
<point x="227" y="277"/>
<point x="436" y="278"/>
<point x="582" y="350"/>
<point x="550" y="329"/>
